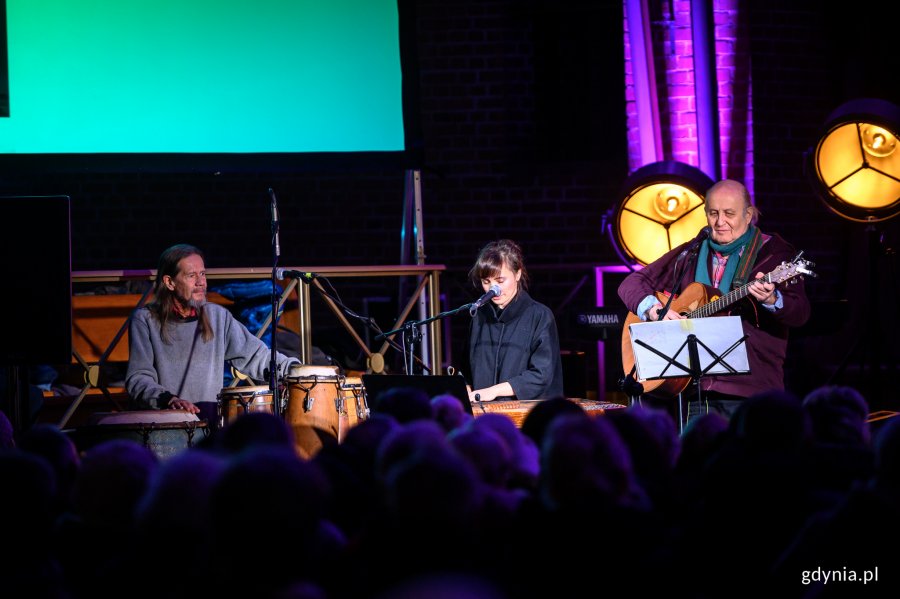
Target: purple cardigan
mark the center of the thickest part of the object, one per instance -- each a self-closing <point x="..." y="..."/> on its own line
<point x="767" y="341"/>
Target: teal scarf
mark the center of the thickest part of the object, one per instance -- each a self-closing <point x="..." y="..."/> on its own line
<point x="702" y="274"/>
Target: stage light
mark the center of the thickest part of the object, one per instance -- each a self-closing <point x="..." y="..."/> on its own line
<point x="856" y="164"/>
<point x="662" y="207"/>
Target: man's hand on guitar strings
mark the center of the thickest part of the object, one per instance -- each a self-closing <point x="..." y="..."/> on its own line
<point x="763" y="291"/>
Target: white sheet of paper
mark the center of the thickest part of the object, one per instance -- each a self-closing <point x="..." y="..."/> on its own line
<point x="668" y="337"/>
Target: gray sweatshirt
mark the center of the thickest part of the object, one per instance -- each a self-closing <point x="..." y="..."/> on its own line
<point x="188" y="367"/>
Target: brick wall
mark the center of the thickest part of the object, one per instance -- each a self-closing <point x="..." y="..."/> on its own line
<point x="671" y="32"/>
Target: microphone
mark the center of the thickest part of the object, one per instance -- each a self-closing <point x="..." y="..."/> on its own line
<point x="274" y="210"/>
<point x="701" y="236"/>
<point x="492" y="292"/>
<point x="284" y="273"/>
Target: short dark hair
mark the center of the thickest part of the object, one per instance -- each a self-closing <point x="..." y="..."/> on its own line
<point x="493" y="256"/>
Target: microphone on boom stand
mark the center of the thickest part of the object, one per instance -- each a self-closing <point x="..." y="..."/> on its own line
<point x="276" y="252"/>
<point x="693" y="247"/>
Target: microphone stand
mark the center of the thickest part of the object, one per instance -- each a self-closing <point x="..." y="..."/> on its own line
<point x="368" y="321"/>
<point x="628" y="384"/>
<point x="681" y="272"/>
<point x="276" y="253"/>
<point x="411" y="335"/>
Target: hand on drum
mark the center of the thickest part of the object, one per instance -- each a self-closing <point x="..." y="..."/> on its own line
<point x="183" y="404"/>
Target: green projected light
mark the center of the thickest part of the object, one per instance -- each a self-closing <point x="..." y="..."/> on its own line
<point x="202" y="76"/>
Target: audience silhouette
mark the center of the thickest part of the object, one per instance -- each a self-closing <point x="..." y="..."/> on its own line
<point x="422" y="499"/>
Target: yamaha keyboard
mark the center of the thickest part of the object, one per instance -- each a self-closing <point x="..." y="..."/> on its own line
<point x="600" y="323"/>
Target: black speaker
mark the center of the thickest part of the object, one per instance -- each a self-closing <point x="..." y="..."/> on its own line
<point x="574" y="365"/>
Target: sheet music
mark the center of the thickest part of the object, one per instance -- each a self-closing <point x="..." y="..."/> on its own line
<point x="668" y="337"/>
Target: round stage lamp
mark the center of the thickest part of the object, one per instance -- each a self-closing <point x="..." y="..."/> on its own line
<point x="856" y="163"/>
<point x="662" y="208"/>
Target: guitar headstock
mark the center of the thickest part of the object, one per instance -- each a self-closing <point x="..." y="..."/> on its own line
<point x="797" y="267"/>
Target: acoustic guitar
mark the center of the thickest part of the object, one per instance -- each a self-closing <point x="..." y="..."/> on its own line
<point x="695" y="302"/>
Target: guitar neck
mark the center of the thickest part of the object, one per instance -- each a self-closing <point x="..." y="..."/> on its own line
<point x="726" y="300"/>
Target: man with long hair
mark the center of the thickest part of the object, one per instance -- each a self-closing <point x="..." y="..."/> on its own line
<point x="179" y="343"/>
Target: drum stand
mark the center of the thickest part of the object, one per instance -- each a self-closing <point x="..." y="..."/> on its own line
<point x="273" y="362"/>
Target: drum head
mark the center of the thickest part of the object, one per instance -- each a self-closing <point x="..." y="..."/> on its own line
<point x="244" y="391"/>
<point x="142" y="417"/>
<point x="302" y="371"/>
<point x="164" y="432"/>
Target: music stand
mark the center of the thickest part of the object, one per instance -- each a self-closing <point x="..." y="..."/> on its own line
<point x="662" y="348"/>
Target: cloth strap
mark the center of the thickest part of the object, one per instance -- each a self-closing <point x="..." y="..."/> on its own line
<point x="748" y="259"/>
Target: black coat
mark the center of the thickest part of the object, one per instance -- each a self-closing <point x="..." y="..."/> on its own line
<point x="518" y="345"/>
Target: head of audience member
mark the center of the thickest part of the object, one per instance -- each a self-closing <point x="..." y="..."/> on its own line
<point x="443" y="586"/>
<point x="60" y="451"/>
<point x="701" y="438"/>
<point x="887" y="457"/>
<point x="449" y="412"/>
<point x="266" y="498"/>
<point x="542" y="415"/>
<point x="355" y="498"/>
<point x="486" y="451"/>
<point x="275" y="483"/>
<point x="652" y="442"/>
<point x="838" y="415"/>
<point x="524" y="455"/>
<point x="178" y="495"/>
<point x="27" y="501"/>
<point x="177" y="506"/>
<point x="253" y="429"/>
<point x="772" y="420"/>
<point x="585" y="464"/>
<point x="406" y="441"/>
<point x="430" y="489"/>
<point x="30" y="566"/>
<point x="651" y="429"/>
<point x="432" y="508"/>
<point x="114" y="477"/>
<point x="363" y="440"/>
<point x="405" y="404"/>
<point x="7" y="433"/>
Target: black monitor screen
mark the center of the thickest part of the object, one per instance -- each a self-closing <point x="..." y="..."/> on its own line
<point x="36" y="304"/>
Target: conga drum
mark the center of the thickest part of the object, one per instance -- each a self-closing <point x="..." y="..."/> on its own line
<point x="355" y="406"/>
<point x="314" y="406"/>
<point x="164" y="432"/>
<point x="234" y="401"/>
